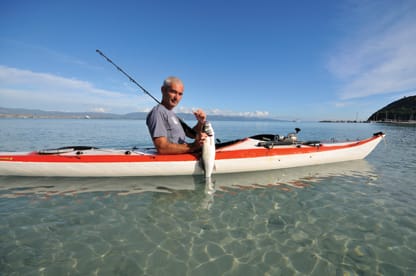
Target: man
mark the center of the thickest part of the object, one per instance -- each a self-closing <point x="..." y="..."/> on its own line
<point x="164" y="126"/>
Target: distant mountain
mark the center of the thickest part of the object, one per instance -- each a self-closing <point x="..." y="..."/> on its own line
<point x="35" y="113"/>
<point x="400" y="110"/>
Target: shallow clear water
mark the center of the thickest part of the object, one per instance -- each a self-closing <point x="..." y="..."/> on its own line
<point x="352" y="218"/>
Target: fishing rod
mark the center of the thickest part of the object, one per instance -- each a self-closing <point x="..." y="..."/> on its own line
<point x="187" y="128"/>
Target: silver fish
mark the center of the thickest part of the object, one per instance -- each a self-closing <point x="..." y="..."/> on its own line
<point x="208" y="150"/>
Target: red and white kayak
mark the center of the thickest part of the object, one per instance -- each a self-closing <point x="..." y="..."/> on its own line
<point x="256" y="153"/>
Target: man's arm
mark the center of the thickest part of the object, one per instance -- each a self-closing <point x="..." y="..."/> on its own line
<point x="201" y="118"/>
<point x="163" y="146"/>
<point x="197" y="129"/>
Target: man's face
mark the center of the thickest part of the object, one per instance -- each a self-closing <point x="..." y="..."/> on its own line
<point x="173" y="95"/>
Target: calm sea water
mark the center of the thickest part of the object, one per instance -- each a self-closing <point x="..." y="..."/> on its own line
<point x="352" y="218"/>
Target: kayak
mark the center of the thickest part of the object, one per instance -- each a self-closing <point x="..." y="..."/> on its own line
<point x="256" y="153"/>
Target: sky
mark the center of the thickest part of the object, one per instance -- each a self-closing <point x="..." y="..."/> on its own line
<point x="291" y="60"/>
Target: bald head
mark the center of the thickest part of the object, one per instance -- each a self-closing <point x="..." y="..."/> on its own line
<point x="167" y="83"/>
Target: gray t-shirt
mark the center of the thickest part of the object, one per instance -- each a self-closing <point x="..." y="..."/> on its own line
<point x="163" y="122"/>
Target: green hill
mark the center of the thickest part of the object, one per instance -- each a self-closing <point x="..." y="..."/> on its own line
<point x="402" y="110"/>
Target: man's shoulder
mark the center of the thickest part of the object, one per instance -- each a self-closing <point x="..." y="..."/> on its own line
<point x="154" y="110"/>
<point x="160" y="108"/>
<point x="159" y="111"/>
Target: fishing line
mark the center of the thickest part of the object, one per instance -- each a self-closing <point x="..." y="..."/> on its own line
<point x="187" y="128"/>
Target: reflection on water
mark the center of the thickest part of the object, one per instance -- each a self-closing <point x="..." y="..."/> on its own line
<point x="294" y="177"/>
<point x="285" y="179"/>
<point x="49" y="186"/>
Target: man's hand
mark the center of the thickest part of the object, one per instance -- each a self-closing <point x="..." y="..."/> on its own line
<point x="200" y="116"/>
<point x="200" y="138"/>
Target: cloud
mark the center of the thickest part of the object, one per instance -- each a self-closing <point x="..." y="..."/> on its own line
<point x="45" y="52"/>
<point x="34" y="90"/>
<point x="28" y="89"/>
<point x="12" y="76"/>
<point x="219" y="112"/>
<point x="379" y="57"/>
<point x="99" y="110"/>
<point x="256" y="114"/>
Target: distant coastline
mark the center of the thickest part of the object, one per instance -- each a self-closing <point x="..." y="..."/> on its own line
<point x="41" y="114"/>
<point x="343" y="121"/>
<point x="410" y="122"/>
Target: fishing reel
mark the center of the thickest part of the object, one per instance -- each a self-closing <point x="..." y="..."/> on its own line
<point x="290" y="138"/>
<point x="270" y="140"/>
<point x="293" y="137"/>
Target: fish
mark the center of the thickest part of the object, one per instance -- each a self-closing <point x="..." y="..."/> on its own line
<point x="208" y="150"/>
